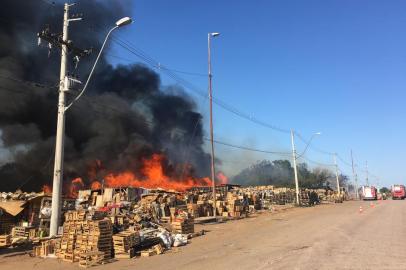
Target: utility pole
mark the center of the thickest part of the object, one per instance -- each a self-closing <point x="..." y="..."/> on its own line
<point x="338" y="182"/>
<point x="366" y="169"/>
<point x="354" y="175"/>
<point x="292" y="136"/>
<point x="65" y="82"/>
<point x="213" y="173"/>
<point x="60" y="132"/>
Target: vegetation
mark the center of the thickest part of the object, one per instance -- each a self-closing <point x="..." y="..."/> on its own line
<point x="385" y="190"/>
<point x="281" y="173"/>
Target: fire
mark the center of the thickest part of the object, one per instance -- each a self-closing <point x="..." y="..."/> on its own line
<point x="154" y="177"/>
<point x="222" y="177"/>
<point x="46" y="189"/>
<point x="95" y="185"/>
<point x="74" y="187"/>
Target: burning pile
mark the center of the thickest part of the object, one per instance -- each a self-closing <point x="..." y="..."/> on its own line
<point x="152" y="174"/>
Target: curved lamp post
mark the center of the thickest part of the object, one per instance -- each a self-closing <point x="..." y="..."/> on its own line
<point x="209" y="37"/>
<point x="122" y="22"/>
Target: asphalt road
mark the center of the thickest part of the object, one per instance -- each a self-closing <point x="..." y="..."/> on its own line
<point x="323" y="237"/>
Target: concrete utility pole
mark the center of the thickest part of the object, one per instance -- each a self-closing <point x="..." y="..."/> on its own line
<point x="65" y="83"/>
<point x="213" y="173"/>
<point x="338" y="182"/>
<point x="354" y="175"/>
<point x="292" y="136"/>
<point x="60" y="131"/>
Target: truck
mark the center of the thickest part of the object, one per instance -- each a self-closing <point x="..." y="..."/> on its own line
<point x="368" y="193"/>
<point x="398" y="192"/>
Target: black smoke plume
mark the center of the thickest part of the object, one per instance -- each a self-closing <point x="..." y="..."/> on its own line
<point x="125" y="116"/>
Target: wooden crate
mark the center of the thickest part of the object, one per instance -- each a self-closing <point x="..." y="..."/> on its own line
<point x="20" y="232"/>
<point x="185" y="226"/>
<point x="5" y="240"/>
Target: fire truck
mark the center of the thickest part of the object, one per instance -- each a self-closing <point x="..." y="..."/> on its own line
<point x="398" y="192"/>
<point x="368" y="193"/>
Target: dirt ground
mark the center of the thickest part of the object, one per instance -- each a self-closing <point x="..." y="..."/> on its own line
<point x="324" y="237"/>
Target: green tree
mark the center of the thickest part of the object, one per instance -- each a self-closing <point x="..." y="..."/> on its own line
<point x="384" y="190"/>
<point x="280" y="173"/>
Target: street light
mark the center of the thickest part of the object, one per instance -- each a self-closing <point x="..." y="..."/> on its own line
<point x="120" y="23"/>
<point x="209" y="36"/>
<point x="123" y="21"/>
<point x="294" y="157"/>
<point x="60" y="130"/>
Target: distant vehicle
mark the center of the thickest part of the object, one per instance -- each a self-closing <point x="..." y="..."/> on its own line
<point x="368" y="193"/>
<point x="398" y="192"/>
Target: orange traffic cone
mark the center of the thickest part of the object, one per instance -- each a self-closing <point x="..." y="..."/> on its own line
<point x="372" y="204"/>
<point x="360" y="209"/>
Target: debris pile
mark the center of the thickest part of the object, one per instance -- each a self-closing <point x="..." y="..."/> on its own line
<point x="122" y="223"/>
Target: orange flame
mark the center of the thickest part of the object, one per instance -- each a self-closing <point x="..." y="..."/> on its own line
<point x="152" y="173"/>
<point x="222" y="177"/>
<point x="95" y="185"/>
<point x="155" y="177"/>
<point x="75" y="186"/>
<point x="46" y="189"/>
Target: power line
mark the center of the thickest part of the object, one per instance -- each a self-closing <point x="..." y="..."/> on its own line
<point x="160" y="66"/>
<point x="152" y="62"/>
<point x="248" y="148"/>
<point x="149" y="60"/>
<point x="317" y="163"/>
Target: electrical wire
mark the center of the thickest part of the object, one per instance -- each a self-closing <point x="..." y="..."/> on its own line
<point x="247" y="148"/>
<point x="155" y="64"/>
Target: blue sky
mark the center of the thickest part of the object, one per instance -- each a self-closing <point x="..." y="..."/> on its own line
<point x="338" y="67"/>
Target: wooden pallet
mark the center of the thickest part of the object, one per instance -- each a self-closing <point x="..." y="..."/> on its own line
<point x="158" y="249"/>
<point x="20" y="232"/>
<point x="70" y="257"/>
<point x="125" y="255"/>
<point x="148" y="252"/>
<point x="92" y="258"/>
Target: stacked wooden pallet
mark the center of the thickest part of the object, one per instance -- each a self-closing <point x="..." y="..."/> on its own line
<point x="304" y="198"/>
<point x="183" y="225"/>
<point x="234" y="207"/>
<point x="124" y="243"/>
<point x="5" y="240"/>
<point x="99" y="237"/>
<point x="81" y="236"/>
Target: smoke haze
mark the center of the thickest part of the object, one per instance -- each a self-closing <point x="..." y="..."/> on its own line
<point x="124" y="117"/>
